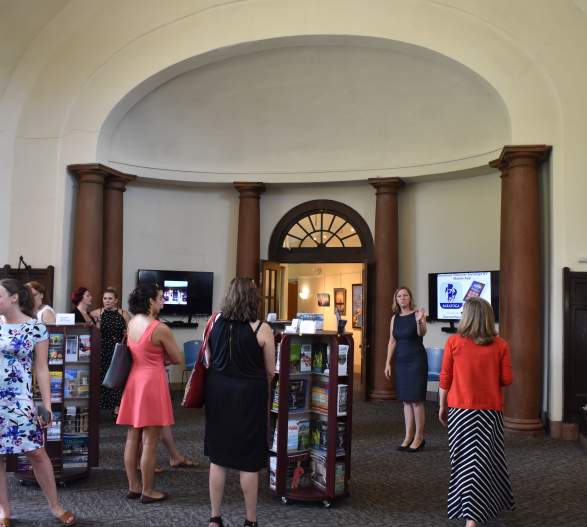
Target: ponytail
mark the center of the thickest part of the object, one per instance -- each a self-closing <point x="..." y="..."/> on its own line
<point x="25" y="298"/>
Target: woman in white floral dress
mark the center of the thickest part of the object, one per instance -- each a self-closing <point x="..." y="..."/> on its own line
<point x="23" y="345"/>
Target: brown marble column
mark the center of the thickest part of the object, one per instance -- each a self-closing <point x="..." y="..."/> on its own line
<point x="88" y="239"/>
<point x="113" y="230"/>
<point x="249" y="218"/>
<point x="386" y="280"/>
<point x="520" y="284"/>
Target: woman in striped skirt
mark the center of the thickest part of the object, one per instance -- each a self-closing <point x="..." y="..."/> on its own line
<point x="475" y="366"/>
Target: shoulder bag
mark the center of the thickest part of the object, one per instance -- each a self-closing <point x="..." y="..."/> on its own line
<point x="193" y="396"/>
<point x="119" y="368"/>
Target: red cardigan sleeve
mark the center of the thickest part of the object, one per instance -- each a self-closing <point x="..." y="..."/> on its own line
<point x="506" y="376"/>
<point x="447" y="362"/>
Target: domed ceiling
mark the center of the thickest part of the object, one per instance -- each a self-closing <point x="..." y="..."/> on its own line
<point x="333" y="111"/>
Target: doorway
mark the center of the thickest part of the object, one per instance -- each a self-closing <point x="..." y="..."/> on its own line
<point x="324" y="246"/>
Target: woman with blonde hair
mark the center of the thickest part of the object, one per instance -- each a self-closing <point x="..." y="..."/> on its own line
<point x="406" y="331"/>
<point x="475" y="367"/>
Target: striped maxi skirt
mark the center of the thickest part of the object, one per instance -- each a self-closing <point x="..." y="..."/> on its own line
<point x="480" y="486"/>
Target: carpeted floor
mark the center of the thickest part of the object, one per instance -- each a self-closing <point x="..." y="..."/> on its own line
<point x="388" y="488"/>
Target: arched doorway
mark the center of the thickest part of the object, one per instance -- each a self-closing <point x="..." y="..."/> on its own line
<point x="328" y="233"/>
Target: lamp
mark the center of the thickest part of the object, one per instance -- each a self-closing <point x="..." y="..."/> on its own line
<point x="304" y="294"/>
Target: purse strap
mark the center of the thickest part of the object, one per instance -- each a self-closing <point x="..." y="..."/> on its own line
<point x="203" y="357"/>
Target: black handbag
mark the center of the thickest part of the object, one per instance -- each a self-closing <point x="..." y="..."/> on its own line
<point x="119" y="368"/>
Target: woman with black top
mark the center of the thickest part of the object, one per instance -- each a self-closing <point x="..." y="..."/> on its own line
<point x="82" y="299"/>
<point x="112" y="322"/>
<point x="242" y="364"/>
<point x="406" y="348"/>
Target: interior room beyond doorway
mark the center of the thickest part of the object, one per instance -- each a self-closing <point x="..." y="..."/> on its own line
<point x="339" y="286"/>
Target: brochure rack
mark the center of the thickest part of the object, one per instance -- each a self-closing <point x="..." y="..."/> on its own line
<point x="71" y="440"/>
<point x="311" y="417"/>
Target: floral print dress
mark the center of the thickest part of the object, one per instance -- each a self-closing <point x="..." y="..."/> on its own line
<point x="20" y="430"/>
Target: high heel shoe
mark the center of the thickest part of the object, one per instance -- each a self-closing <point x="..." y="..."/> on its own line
<point x="419" y="448"/>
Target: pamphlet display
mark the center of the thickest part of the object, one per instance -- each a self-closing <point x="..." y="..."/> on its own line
<point x="74" y="375"/>
<point x="311" y="416"/>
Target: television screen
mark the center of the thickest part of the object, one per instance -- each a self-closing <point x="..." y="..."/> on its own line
<point x="448" y="292"/>
<point x="184" y="292"/>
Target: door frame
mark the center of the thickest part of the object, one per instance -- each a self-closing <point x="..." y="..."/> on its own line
<point x="364" y="255"/>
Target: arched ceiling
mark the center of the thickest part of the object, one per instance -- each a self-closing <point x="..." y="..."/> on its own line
<point x="346" y="110"/>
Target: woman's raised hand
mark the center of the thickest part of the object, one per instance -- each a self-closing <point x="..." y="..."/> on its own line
<point x="420" y="314"/>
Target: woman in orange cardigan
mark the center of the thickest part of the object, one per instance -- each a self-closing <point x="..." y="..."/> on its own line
<point x="475" y="366"/>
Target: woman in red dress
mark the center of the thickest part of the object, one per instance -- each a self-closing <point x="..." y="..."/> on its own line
<point x="146" y="403"/>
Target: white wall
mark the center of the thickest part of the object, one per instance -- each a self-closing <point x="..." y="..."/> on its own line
<point x="447" y="226"/>
<point x="184" y="229"/>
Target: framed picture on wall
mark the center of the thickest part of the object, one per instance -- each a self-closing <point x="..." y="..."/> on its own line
<point x="323" y="299"/>
<point x="357" y="306"/>
<point x="340" y="300"/>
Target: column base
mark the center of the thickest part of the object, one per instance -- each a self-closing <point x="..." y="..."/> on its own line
<point x="382" y="395"/>
<point x="523" y="426"/>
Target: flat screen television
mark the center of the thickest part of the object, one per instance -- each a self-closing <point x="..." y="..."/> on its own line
<point x="185" y="292"/>
<point x="447" y="293"/>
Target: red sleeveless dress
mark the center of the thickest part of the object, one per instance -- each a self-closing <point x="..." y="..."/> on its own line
<point x="146" y="400"/>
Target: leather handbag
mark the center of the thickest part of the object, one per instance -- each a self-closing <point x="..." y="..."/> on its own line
<point x="119" y="368"/>
<point x="193" y="396"/>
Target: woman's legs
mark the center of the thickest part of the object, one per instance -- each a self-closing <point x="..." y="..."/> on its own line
<point x="41" y="465"/>
<point x="409" y="422"/>
<point x="148" y="458"/>
<point x="419" y="417"/>
<point x="5" y="509"/>
<point x="175" y="456"/>
<point x="216" y="481"/>
<point x="250" y="487"/>
<point x="131" y="449"/>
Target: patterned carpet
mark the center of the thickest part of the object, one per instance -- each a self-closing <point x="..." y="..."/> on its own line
<point x="388" y="488"/>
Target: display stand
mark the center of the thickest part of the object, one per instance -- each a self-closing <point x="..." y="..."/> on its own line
<point x="311" y="417"/>
<point x="72" y="438"/>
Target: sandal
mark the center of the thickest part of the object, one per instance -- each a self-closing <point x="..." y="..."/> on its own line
<point x="67" y="519"/>
<point x="184" y="463"/>
<point x="217" y="520"/>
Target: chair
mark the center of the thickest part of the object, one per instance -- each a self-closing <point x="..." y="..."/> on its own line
<point x="434" y="364"/>
<point x="191" y="349"/>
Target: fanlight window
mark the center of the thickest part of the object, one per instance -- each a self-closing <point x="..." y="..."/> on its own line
<point x="321" y="229"/>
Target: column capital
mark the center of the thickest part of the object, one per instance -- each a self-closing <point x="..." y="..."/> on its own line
<point x="386" y="185"/>
<point x="101" y="174"/>
<point x="521" y="155"/>
<point x="249" y="189"/>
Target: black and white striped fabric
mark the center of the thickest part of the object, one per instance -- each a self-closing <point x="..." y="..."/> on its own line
<point x="480" y="485"/>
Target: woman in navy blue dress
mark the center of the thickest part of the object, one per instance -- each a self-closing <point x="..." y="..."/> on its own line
<point x="406" y="332"/>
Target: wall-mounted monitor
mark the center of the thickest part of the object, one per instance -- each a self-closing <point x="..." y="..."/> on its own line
<point x="448" y="292"/>
<point x="184" y="292"/>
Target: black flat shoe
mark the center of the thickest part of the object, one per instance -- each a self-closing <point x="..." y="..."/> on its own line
<point x="150" y="499"/>
<point x="131" y="495"/>
<point x="401" y="448"/>
<point x="418" y="449"/>
<point x="249" y="523"/>
<point x="217" y="520"/>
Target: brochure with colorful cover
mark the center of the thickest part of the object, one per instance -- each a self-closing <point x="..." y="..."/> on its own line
<point x="56" y="385"/>
<point x="71" y="344"/>
<point x="84" y="348"/>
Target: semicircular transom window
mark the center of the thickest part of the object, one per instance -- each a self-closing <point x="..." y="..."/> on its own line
<point x="321" y="229"/>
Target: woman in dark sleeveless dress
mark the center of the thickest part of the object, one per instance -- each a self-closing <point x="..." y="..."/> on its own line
<point x="406" y="331"/>
<point x="242" y="364"/>
<point x="112" y="322"/>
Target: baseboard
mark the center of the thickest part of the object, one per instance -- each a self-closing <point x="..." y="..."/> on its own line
<point x="564" y="431"/>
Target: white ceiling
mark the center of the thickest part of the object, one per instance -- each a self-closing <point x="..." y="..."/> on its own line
<point x="20" y="22"/>
<point x="312" y="108"/>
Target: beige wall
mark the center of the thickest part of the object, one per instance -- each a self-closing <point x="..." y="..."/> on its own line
<point x="66" y="79"/>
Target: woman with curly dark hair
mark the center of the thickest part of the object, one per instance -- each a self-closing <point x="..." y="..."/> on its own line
<point x="242" y="364"/>
<point x="146" y="403"/>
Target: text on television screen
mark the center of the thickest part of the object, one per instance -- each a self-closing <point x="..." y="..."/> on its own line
<point x="453" y="289"/>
